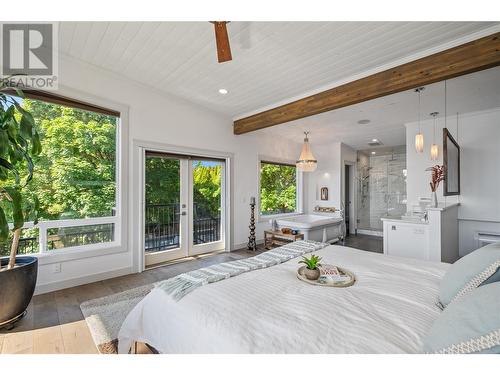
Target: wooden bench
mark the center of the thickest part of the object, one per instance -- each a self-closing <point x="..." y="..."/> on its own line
<point x="277" y="238"/>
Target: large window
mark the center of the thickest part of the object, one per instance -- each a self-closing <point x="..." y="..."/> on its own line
<point x="74" y="177"/>
<point x="278" y="188"/>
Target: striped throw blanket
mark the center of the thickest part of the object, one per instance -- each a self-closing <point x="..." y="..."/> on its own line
<point x="183" y="284"/>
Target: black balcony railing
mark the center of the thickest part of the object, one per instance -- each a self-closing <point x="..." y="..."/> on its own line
<point x="63" y="237"/>
<point x="162" y="227"/>
<point x="161" y="232"/>
<point x="27" y="245"/>
<point x="79" y="236"/>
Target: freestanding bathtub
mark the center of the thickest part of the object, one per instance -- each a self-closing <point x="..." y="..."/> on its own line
<point x="323" y="228"/>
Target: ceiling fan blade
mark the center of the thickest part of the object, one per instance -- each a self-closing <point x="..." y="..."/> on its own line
<point x="222" y="41"/>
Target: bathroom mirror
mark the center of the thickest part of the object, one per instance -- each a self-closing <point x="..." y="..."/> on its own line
<point x="451" y="162"/>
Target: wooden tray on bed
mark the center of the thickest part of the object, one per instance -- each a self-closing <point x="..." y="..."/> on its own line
<point x="341" y="284"/>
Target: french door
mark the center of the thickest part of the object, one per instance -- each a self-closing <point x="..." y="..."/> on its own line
<point x="184" y="210"/>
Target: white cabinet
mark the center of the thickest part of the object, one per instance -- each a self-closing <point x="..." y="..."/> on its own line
<point x="434" y="240"/>
<point x="405" y="239"/>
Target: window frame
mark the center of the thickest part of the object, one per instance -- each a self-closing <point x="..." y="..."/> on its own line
<point x="298" y="189"/>
<point x="88" y="102"/>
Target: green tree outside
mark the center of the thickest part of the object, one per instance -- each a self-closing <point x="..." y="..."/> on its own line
<point x="75" y="175"/>
<point x="278" y="188"/>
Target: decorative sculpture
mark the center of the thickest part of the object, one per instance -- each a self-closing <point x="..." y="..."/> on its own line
<point x="252" y="245"/>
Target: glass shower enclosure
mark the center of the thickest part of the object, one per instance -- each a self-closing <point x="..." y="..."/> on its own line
<point x="381" y="185"/>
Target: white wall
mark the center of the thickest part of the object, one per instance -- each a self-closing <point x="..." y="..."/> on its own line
<point x="330" y="174"/>
<point x="158" y="117"/>
<point x="327" y="175"/>
<point x="479" y="140"/>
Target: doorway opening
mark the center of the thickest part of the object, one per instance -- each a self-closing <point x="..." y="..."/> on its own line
<point x="184" y="206"/>
<point x="348" y="198"/>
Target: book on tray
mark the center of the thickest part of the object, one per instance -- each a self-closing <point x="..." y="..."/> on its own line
<point x="329" y="274"/>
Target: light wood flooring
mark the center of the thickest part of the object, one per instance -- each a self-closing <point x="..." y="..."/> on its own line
<point x="54" y="322"/>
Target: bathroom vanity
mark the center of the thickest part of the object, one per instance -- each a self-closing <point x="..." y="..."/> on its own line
<point x="434" y="239"/>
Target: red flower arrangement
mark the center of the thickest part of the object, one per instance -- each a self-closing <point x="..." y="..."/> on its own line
<point x="437" y="176"/>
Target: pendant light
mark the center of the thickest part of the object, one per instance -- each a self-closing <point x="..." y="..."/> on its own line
<point x="419" y="138"/>
<point x="434" y="146"/>
<point x="307" y="162"/>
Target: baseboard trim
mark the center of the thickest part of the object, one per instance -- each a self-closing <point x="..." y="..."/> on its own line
<point x="240" y="246"/>
<point x="69" y="283"/>
<point x="371" y="232"/>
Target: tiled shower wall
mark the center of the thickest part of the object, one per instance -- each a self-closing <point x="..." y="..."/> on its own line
<point x="381" y="187"/>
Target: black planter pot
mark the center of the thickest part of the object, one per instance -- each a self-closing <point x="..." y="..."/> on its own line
<point x="17" y="286"/>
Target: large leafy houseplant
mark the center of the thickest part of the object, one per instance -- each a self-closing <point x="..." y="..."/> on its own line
<point x="19" y="142"/>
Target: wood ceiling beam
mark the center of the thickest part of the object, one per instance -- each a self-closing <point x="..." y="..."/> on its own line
<point x="467" y="58"/>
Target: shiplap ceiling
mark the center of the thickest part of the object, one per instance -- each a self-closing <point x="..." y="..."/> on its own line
<point x="470" y="93"/>
<point x="272" y="61"/>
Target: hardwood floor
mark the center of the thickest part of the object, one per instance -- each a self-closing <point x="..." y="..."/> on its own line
<point x="54" y="322"/>
<point x="365" y="242"/>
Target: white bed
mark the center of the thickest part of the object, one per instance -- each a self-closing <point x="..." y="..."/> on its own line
<point x="389" y="310"/>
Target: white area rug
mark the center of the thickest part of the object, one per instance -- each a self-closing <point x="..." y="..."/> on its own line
<point x="105" y="315"/>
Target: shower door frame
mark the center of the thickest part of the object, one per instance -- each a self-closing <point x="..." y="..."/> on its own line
<point x="370" y="230"/>
<point x="353" y="188"/>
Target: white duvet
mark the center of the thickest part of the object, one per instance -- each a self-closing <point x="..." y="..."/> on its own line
<point x="389" y="309"/>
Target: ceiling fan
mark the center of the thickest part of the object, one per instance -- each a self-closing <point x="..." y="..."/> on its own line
<point x="222" y="41"/>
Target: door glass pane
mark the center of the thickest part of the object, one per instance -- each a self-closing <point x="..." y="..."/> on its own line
<point x="396" y="184"/>
<point x="163" y="178"/>
<point x="381" y="186"/>
<point x="207" y="184"/>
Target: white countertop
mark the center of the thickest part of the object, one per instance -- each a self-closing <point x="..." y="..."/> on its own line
<point x="417" y="220"/>
<point x="442" y="207"/>
<point x="405" y="220"/>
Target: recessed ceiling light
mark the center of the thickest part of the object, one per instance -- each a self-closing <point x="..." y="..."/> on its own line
<point x="373" y="152"/>
<point x="223" y="91"/>
<point x="374" y="140"/>
<point x="364" y="122"/>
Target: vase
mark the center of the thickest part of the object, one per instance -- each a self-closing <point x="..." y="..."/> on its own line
<point x="311" y="274"/>
<point x="18" y="286"/>
<point x="434" y="199"/>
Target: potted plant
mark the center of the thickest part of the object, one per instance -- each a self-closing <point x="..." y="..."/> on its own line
<point x="436" y="177"/>
<point x="19" y="142"/>
<point x="311" y="270"/>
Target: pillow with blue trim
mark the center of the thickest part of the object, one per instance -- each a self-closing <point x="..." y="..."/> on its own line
<point x="480" y="267"/>
<point x="468" y="325"/>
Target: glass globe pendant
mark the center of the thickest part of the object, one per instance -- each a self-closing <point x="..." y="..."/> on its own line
<point x="419" y="138"/>
<point x="434" y="146"/>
